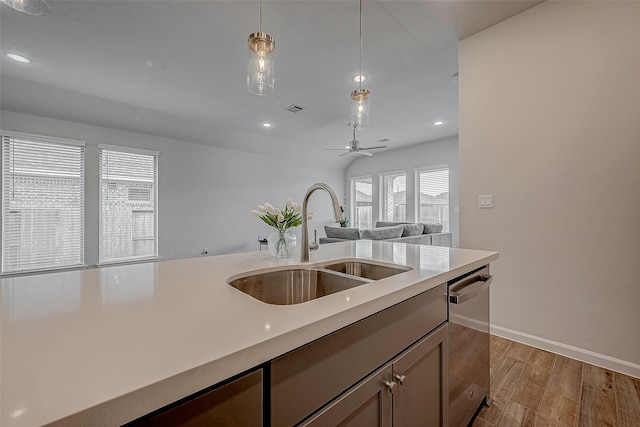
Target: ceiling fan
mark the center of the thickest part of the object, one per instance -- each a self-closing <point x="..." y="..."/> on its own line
<point x="354" y="147"/>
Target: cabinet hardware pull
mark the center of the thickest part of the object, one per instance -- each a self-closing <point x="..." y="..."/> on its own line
<point x="391" y="385"/>
<point x="400" y="378"/>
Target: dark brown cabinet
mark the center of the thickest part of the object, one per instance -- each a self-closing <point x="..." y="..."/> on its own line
<point x="313" y="376"/>
<point x="236" y="403"/>
<point x="409" y="391"/>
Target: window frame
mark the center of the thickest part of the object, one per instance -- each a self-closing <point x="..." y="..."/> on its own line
<point x="80" y="211"/>
<point x="130" y="259"/>
<point x="352" y="197"/>
<point x="382" y="196"/>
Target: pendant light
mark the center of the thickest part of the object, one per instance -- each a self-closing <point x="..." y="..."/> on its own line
<point x="360" y="96"/>
<point x="260" y="71"/>
<point x="30" y="7"/>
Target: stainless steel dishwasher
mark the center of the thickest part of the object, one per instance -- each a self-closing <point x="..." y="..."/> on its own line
<point x="468" y="345"/>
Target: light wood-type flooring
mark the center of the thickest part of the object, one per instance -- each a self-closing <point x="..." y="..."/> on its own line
<point x="533" y="387"/>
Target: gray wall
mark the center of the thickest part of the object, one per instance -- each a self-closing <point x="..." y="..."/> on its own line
<point x="550" y="125"/>
<point x="408" y="159"/>
<point x="206" y="194"/>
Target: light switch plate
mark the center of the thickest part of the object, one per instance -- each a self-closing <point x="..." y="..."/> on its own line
<point x="485" y="201"/>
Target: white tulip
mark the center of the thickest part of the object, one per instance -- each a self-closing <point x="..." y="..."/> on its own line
<point x="296" y="207"/>
<point x="261" y="208"/>
<point x="289" y="202"/>
<point x="280" y="218"/>
<point x="257" y="214"/>
<point x="277" y="211"/>
<point x="268" y="207"/>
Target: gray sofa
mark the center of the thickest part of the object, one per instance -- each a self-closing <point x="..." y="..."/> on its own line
<point x="422" y="234"/>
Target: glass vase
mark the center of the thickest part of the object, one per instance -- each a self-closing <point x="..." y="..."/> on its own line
<point x="282" y="243"/>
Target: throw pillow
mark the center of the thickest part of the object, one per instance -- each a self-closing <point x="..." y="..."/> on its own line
<point x="382" y="233"/>
<point x="342" y="233"/>
<point x="412" y="229"/>
<point x="432" y="228"/>
<point x="380" y="224"/>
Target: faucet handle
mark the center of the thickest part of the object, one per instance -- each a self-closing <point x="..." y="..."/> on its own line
<point x="314" y="246"/>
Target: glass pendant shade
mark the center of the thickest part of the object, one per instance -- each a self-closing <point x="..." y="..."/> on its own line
<point x="31" y="7"/>
<point x="360" y="108"/>
<point x="261" y="64"/>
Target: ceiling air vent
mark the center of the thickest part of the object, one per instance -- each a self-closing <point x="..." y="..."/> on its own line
<point x="294" y="108"/>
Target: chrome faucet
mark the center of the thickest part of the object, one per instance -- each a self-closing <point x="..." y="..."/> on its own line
<point x="337" y="213"/>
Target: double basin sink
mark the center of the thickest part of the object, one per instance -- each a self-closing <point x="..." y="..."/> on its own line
<point x="295" y="285"/>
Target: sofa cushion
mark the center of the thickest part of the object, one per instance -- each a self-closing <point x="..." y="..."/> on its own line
<point x="381" y="233"/>
<point x="432" y="228"/>
<point x="412" y="229"/>
<point x="380" y="224"/>
<point x="342" y="233"/>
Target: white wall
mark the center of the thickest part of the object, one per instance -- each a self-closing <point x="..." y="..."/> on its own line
<point x="550" y="125"/>
<point x="443" y="152"/>
<point x="206" y="194"/>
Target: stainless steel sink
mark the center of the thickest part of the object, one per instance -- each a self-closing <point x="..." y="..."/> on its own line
<point x="294" y="285"/>
<point x="367" y="270"/>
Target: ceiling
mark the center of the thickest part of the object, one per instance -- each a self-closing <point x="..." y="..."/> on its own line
<point x="177" y="69"/>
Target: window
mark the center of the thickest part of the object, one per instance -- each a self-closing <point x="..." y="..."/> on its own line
<point x="128" y="204"/>
<point x="393" y="197"/>
<point x="42" y="203"/>
<point x="362" y="196"/>
<point x="433" y="196"/>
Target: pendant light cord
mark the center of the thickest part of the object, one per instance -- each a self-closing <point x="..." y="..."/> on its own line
<point x="360" y="54"/>
<point x="260" y="16"/>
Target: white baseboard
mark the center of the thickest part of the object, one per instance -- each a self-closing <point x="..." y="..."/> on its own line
<point x="572" y="352"/>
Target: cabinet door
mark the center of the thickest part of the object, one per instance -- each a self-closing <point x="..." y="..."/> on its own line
<point x="422" y="395"/>
<point x="237" y="403"/>
<point x="368" y="404"/>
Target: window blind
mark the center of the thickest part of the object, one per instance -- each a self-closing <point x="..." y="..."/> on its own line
<point x="128" y="204"/>
<point x="394" y="197"/>
<point x="433" y="196"/>
<point x="362" y="209"/>
<point x="42" y="203"/>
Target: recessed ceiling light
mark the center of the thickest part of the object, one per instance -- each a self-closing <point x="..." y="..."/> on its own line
<point x="18" y="58"/>
<point x="266" y="125"/>
<point x="438" y="123"/>
<point x="359" y="78"/>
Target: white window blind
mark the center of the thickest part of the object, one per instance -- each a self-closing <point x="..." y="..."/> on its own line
<point x="42" y="203"/>
<point x="128" y="204"/>
<point x="394" y="197"/>
<point x="433" y="196"/>
<point x="362" y="209"/>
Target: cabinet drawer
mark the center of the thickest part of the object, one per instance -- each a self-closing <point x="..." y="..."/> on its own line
<point x="309" y="377"/>
<point x="237" y="403"/>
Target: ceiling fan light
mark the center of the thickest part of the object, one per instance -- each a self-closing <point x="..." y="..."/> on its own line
<point x="261" y="64"/>
<point x="30" y="7"/>
<point x="360" y="108"/>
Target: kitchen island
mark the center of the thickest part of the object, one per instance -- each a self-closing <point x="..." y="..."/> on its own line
<point x="105" y="346"/>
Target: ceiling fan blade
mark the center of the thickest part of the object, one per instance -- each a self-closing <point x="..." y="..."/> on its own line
<point x="344" y="154"/>
<point x="30" y="7"/>
<point x="364" y="153"/>
<point x="334" y="149"/>
<point x="373" y="148"/>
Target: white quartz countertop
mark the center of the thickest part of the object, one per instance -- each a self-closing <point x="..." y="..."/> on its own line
<point x="105" y="346"/>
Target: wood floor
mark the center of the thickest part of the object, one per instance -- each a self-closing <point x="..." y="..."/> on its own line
<point x="532" y="387"/>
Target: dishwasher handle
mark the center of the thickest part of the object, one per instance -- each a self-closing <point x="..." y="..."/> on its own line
<point x="456" y="297"/>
